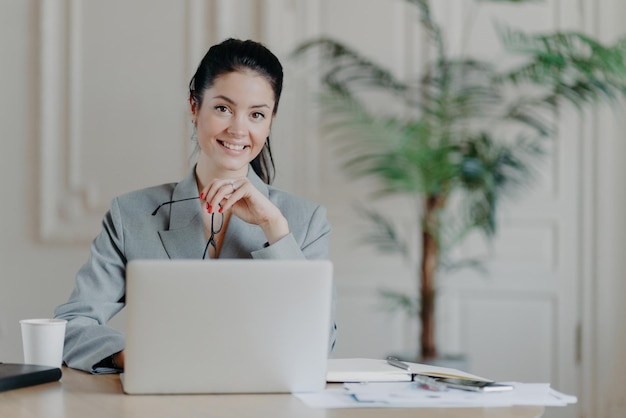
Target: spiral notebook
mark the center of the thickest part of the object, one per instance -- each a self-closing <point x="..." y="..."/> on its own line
<point x="377" y="370"/>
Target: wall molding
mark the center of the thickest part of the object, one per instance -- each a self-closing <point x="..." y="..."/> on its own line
<point x="64" y="202"/>
<point x="70" y="206"/>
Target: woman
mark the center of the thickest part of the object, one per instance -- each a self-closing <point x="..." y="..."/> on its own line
<point x="224" y="208"/>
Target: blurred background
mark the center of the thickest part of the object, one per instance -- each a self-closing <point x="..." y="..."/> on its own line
<point x="94" y="104"/>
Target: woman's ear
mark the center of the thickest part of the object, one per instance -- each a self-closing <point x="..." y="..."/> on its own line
<point x="193" y="109"/>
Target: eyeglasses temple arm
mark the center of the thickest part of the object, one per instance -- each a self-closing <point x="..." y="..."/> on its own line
<point x="172" y="201"/>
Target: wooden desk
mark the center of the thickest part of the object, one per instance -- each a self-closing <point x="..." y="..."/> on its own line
<point x="82" y="395"/>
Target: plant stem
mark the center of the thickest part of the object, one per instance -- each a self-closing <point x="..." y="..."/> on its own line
<point x="428" y="270"/>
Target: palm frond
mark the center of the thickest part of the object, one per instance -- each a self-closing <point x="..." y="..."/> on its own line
<point x="431" y="27"/>
<point x="397" y="151"/>
<point x="371" y="145"/>
<point x="454" y="229"/>
<point x="349" y="70"/>
<point x="451" y="266"/>
<point x="511" y="1"/>
<point x="570" y="65"/>
<point x="465" y="93"/>
<point x="394" y="301"/>
<point x="381" y="233"/>
<point x="492" y="170"/>
<point x="533" y="113"/>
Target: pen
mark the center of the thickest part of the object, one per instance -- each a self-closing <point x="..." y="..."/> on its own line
<point x="425" y="382"/>
<point x="397" y="363"/>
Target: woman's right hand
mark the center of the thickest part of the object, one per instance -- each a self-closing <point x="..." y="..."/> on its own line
<point x="118" y="360"/>
<point x="248" y="204"/>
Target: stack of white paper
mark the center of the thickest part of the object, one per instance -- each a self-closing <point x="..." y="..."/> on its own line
<point x="407" y="394"/>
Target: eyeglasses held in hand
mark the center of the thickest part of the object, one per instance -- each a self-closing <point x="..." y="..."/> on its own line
<point x="211" y="242"/>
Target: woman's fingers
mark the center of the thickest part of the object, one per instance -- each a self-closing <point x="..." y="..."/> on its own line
<point x="248" y="204"/>
<point x="220" y="191"/>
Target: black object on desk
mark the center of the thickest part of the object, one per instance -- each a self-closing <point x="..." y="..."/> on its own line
<point x="13" y="376"/>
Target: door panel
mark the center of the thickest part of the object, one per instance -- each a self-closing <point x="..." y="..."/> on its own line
<point x="519" y="322"/>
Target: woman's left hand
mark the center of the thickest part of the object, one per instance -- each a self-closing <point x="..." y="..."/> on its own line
<point x="247" y="203"/>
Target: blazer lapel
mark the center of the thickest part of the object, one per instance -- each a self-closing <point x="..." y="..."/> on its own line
<point x="184" y="242"/>
<point x="241" y="239"/>
<point x="185" y="236"/>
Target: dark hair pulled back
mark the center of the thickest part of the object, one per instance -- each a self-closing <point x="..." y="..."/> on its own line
<point x="234" y="55"/>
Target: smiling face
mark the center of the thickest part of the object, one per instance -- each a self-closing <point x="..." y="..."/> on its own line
<point x="233" y="122"/>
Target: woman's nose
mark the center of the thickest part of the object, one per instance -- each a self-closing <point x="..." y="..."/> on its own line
<point x="236" y="128"/>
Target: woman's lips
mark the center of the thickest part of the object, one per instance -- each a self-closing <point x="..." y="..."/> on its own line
<point x="233" y="147"/>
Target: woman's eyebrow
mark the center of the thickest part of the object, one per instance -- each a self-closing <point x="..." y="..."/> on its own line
<point x="232" y="102"/>
<point x="227" y="99"/>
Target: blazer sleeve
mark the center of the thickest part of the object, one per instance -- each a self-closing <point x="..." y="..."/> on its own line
<point x="97" y="296"/>
<point x="311" y="242"/>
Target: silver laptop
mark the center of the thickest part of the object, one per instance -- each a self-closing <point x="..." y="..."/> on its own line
<point x="227" y="326"/>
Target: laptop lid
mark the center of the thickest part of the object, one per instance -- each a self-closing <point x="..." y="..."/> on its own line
<point x="227" y="326"/>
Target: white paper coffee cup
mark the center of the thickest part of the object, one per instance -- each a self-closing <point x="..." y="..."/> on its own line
<point x="42" y="340"/>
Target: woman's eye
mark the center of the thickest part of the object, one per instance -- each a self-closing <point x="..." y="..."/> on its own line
<point x="221" y="109"/>
<point x="258" y="116"/>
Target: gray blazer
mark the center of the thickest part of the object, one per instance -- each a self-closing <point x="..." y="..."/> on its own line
<point x="129" y="231"/>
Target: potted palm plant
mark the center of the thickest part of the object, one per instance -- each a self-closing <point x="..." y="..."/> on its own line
<point x="469" y="135"/>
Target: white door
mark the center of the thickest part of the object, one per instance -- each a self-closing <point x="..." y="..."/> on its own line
<point x="520" y="321"/>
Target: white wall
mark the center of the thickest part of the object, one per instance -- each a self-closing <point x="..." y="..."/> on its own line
<point x="67" y="147"/>
<point x="34" y="277"/>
